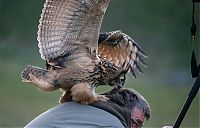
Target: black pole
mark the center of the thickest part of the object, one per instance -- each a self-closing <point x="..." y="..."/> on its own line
<point x="192" y="94"/>
<point x="195" y="70"/>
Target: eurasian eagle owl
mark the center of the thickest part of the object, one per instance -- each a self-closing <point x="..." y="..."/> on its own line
<point x="78" y="57"/>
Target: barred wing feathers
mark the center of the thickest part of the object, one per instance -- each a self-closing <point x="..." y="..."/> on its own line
<point x="67" y="25"/>
<point x="121" y="50"/>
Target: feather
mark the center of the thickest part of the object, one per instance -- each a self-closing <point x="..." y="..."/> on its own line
<point x="121" y="50"/>
<point x="137" y="67"/>
<point x="141" y="61"/>
<point x="65" y="24"/>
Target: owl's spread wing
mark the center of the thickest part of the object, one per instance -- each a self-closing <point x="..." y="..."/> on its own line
<point x="67" y="25"/>
<point x="121" y="50"/>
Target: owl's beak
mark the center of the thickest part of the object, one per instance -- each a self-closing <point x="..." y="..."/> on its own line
<point x="118" y="82"/>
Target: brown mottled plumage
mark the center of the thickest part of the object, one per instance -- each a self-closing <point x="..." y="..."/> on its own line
<point x="79" y="58"/>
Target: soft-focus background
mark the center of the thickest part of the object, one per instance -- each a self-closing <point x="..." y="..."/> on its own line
<point x="161" y="27"/>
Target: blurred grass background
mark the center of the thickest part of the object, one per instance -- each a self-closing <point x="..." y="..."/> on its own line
<point x="160" y="27"/>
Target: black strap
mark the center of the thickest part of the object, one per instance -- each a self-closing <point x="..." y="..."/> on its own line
<point x="195" y="68"/>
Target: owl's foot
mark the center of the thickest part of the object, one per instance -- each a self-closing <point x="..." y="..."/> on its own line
<point x="101" y="97"/>
<point x="82" y="93"/>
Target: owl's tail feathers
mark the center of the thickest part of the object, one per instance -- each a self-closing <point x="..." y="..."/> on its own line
<point x="30" y="71"/>
<point x="39" y="77"/>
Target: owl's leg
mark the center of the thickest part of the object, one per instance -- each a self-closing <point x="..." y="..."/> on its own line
<point x="39" y="77"/>
<point x="83" y="93"/>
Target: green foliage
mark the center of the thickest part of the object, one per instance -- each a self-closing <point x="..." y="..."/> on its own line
<point x="160" y="27"/>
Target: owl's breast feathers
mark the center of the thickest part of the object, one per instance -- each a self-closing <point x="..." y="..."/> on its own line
<point x="86" y="70"/>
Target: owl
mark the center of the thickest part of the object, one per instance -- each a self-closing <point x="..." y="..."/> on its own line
<point x="78" y="57"/>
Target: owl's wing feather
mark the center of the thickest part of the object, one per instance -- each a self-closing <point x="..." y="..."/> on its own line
<point x="121" y="50"/>
<point x="67" y="25"/>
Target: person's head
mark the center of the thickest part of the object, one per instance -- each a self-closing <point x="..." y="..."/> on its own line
<point x="134" y="102"/>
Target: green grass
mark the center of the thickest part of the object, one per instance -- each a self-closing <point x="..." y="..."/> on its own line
<point x="20" y="102"/>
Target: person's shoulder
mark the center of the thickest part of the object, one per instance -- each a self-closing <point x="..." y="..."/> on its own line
<point x="72" y="114"/>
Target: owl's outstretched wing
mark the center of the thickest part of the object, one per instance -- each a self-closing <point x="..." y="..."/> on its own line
<point x="67" y="25"/>
<point x="121" y="50"/>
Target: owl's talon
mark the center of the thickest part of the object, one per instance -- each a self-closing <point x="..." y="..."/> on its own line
<point x="101" y="97"/>
<point x="25" y="81"/>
